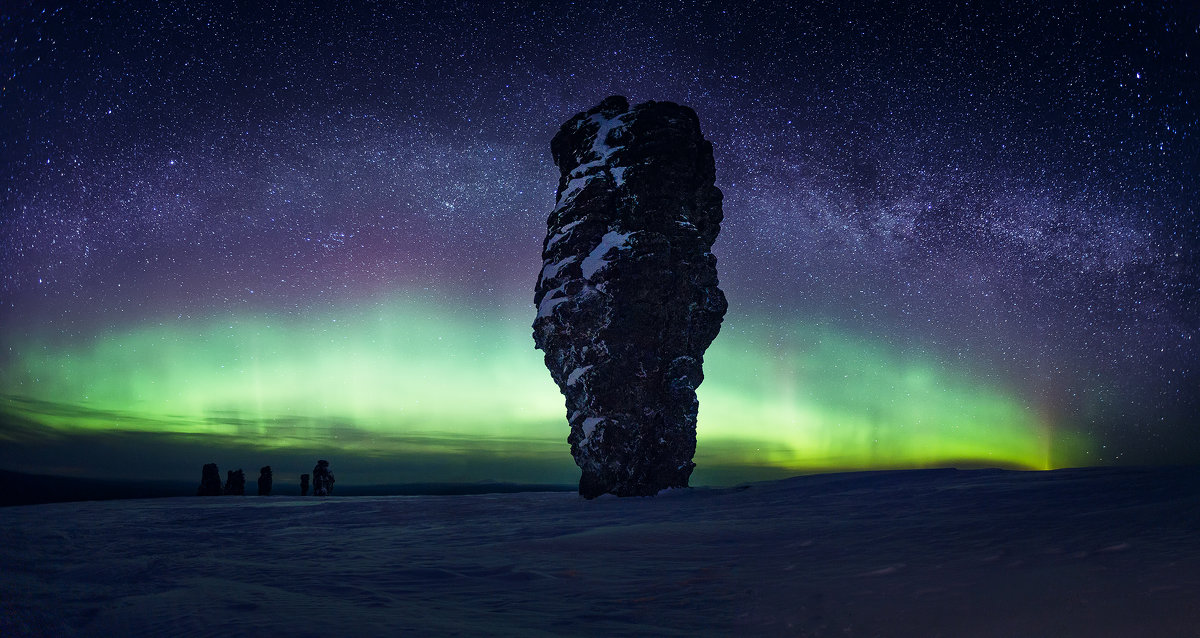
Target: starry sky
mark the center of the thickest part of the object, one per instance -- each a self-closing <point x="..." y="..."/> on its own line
<point x="955" y="234"/>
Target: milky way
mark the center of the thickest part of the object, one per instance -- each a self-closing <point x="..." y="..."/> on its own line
<point x="992" y="210"/>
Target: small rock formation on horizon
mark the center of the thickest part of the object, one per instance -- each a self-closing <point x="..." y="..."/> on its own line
<point x="627" y="300"/>
<point x="303" y="485"/>
<point x="322" y="479"/>
<point x="235" y="483"/>
<point x="210" y="481"/>
<point x="264" y="481"/>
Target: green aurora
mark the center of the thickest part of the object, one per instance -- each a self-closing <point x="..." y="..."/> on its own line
<point x="403" y="377"/>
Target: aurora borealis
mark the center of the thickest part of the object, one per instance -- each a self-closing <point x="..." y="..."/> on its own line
<point x="384" y="383"/>
<point x="953" y="236"/>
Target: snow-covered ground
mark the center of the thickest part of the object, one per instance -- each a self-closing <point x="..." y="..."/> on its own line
<point x="1097" y="552"/>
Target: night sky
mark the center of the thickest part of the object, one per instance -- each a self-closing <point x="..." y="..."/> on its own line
<point x="254" y="234"/>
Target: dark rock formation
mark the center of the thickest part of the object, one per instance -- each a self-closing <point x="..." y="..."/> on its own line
<point x="210" y="481"/>
<point x="628" y="299"/>
<point x="303" y="485"/>
<point x="235" y="483"/>
<point x="322" y="479"/>
<point x="264" y="481"/>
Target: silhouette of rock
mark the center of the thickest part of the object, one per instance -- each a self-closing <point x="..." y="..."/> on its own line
<point x="627" y="298"/>
<point x="322" y="479"/>
<point x="303" y="485"/>
<point x="264" y="481"/>
<point x="235" y="483"/>
<point x="210" y="481"/>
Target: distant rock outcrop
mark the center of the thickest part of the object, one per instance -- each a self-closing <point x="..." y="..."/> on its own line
<point x="210" y="481"/>
<point x="264" y="481"/>
<point x="235" y="483"/>
<point x="322" y="479"/>
<point x="627" y="300"/>
<point x="303" y="485"/>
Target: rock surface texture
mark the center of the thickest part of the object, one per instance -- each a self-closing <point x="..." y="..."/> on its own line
<point x="210" y="481"/>
<point x="627" y="300"/>
<point x="303" y="485"/>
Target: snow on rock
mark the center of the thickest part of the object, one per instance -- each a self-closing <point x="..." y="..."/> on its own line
<point x="562" y="234"/>
<point x="551" y="270"/>
<point x="634" y="258"/>
<point x="597" y="259"/>
<point x="574" y="187"/>
<point x="548" y="304"/>
<point x="618" y="173"/>
<point x="601" y="151"/>
<point x="588" y="427"/>
<point x="576" y="373"/>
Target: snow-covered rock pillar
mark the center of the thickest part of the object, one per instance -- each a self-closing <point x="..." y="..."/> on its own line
<point x="627" y="301"/>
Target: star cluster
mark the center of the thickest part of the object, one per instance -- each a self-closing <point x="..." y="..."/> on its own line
<point x="1007" y="190"/>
